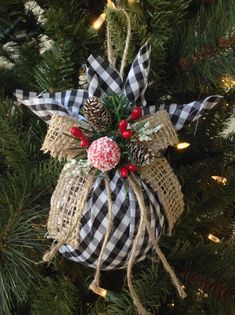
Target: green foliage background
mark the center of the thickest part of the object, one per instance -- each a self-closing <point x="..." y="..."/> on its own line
<point x="193" y="44"/>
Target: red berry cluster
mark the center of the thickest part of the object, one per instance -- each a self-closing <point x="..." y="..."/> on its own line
<point x="124" y="170"/>
<point x="77" y="133"/>
<point x="135" y="114"/>
<point x="127" y="133"/>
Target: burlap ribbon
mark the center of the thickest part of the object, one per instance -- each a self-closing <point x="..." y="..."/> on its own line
<point x="70" y="196"/>
<point x="165" y="137"/>
<point x="159" y="175"/>
<point x="59" y="142"/>
<point x="67" y="205"/>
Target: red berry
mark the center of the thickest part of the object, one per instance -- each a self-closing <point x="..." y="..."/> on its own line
<point x="123" y="125"/>
<point x="131" y="167"/>
<point x="84" y="142"/>
<point x="136" y="113"/>
<point x="76" y="132"/>
<point x="127" y="134"/>
<point x="123" y="171"/>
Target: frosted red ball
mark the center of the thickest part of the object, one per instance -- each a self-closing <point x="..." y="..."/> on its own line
<point x="104" y="154"/>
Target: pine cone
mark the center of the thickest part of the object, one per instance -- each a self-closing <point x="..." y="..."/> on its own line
<point x="140" y="154"/>
<point x="96" y="114"/>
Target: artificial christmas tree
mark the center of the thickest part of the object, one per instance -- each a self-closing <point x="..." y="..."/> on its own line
<point x="193" y="51"/>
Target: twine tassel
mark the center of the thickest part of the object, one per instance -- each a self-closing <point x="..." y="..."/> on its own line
<point x="140" y="308"/>
<point x="49" y="255"/>
<point x="139" y="196"/>
<point x="95" y="285"/>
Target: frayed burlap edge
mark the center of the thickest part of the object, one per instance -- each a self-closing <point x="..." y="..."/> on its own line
<point x="67" y="210"/>
<point x="164" y="182"/>
<point x="166" y="136"/>
<point x="59" y="141"/>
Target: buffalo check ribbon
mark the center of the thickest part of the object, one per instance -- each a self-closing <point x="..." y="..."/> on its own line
<point x="103" y="79"/>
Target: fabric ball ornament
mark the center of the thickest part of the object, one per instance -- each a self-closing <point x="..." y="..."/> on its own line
<point x="125" y="220"/>
<point x="106" y="221"/>
<point x="104" y="154"/>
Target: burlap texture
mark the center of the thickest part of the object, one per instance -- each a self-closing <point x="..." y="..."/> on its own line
<point x="67" y="208"/>
<point x="165" y="137"/>
<point x="59" y="142"/>
<point x="160" y="177"/>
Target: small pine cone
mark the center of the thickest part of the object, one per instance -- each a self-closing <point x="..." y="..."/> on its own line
<point x="96" y="114"/>
<point x="140" y="154"/>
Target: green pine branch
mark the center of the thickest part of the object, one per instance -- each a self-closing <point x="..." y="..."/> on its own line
<point x="54" y="296"/>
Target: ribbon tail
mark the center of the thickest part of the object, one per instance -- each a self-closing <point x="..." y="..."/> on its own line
<point x="183" y="114"/>
<point x="102" y="78"/>
<point x="137" y="79"/>
<point x="44" y="105"/>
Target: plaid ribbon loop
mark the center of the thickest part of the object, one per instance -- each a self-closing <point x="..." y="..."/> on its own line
<point x="104" y="79"/>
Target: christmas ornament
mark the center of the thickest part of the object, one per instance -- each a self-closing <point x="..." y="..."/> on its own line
<point x="97" y="115"/>
<point x="101" y="192"/>
<point x="104" y="154"/>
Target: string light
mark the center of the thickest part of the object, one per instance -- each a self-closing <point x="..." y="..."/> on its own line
<point x="219" y="179"/>
<point x="201" y="294"/>
<point x="228" y="82"/>
<point x="171" y="305"/>
<point x="101" y="19"/>
<point x="99" y="22"/>
<point x="213" y="238"/>
<point x="100" y="291"/>
<point x="110" y="4"/>
<point x="182" y="145"/>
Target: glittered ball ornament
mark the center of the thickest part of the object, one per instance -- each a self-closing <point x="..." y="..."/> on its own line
<point x="104" y="154"/>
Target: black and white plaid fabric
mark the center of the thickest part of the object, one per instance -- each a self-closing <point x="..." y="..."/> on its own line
<point x="45" y="105"/>
<point x="182" y="115"/>
<point x="125" y="213"/>
<point x="103" y="80"/>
